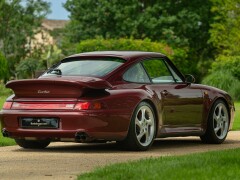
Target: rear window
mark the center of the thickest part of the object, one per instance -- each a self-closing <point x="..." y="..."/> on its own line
<point x="85" y="67"/>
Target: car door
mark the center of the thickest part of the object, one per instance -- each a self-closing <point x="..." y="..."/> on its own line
<point x="182" y="103"/>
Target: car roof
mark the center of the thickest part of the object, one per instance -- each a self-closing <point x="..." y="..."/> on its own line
<point x="127" y="55"/>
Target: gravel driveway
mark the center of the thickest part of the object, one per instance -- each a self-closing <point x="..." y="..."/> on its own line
<point x="66" y="160"/>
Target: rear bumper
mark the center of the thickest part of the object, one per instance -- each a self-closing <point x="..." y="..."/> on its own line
<point x="104" y="125"/>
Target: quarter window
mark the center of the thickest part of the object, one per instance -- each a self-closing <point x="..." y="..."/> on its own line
<point x="136" y="74"/>
<point x="158" y="71"/>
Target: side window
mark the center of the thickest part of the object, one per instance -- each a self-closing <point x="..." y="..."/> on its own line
<point x="176" y="77"/>
<point x="158" y="71"/>
<point x="136" y="74"/>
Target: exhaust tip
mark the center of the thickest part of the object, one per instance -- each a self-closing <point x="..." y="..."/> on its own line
<point x="81" y="137"/>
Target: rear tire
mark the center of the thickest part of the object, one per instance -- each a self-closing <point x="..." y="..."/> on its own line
<point x="142" y="129"/>
<point x="32" y="144"/>
<point x="218" y="124"/>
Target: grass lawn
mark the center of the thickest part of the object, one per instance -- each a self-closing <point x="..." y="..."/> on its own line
<point x="219" y="165"/>
<point x="236" y="125"/>
<point x="4" y="141"/>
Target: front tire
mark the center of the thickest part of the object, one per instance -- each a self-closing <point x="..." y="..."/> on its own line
<point x="218" y="124"/>
<point x="32" y="144"/>
<point x="142" y="128"/>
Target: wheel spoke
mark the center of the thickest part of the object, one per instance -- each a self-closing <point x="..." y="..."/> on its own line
<point x="221" y="130"/>
<point x="220" y="121"/>
<point x="139" y="136"/>
<point x="147" y="135"/>
<point x="138" y="123"/>
<point x="215" y="117"/>
<point x="143" y="114"/>
<point x="216" y="129"/>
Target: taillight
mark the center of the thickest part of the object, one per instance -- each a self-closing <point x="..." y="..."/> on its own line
<point x="7" y="105"/>
<point x="88" y="105"/>
<point x="82" y="106"/>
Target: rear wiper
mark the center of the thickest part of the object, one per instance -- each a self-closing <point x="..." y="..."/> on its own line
<point x="55" y="71"/>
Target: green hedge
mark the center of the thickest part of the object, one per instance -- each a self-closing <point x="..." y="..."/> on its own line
<point x="225" y="74"/>
<point x="231" y="63"/>
<point x="178" y="56"/>
<point x="224" y="79"/>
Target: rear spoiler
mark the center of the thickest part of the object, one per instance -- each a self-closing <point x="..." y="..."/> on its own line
<point x="57" y="86"/>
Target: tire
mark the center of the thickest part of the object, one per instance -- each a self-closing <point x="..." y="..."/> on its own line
<point x="32" y="144"/>
<point x="218" y="124"/>
<point x="142" y="129"/>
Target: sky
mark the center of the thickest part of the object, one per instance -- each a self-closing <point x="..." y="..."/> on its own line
<point x="58" y="11"/>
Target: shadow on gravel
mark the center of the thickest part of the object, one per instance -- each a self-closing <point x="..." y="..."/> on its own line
<point x="112" y="147"/>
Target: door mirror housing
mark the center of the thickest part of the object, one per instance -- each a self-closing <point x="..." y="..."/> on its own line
<point x="189" y="78"/>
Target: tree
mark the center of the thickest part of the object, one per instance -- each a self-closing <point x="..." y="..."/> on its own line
<point x="52" y="55"/>
<point x="179" y="23"/>
<point x="175" y="22"/>
<point x="27" y="67"/>
<point x="225" y="33"/>
<point x="225" y="37"/>
<point x="176" y="54"/>
<point x="3" y="67"/>
<point x="19" y="23"/>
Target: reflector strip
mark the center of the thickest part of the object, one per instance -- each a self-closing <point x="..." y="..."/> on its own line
<point x="7" y="105"/>
<point x="53" y="105"/>
<point x="45" y="105"/>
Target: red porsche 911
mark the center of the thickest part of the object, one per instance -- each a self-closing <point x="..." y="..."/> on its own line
<point x="129" y="97"/>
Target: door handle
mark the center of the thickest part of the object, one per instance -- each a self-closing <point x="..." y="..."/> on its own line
<point x="164" y="92"/>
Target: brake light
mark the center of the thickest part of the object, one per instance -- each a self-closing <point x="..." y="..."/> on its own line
<point x="82" y="106"/>
<point x="88" y="105"/>
<point x="7" y="105"/>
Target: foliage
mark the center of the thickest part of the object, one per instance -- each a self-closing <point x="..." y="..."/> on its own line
<point x="177" y="23"/>
<point x="225" y="38"/>
<point x="176" y="54"/>
<point x="210" y="165"/>
<point x="38" y="61"/>
<point x="52" y="55"/>
<point x="231" y="63"/>
<point x="19" y="23"/>
<point x="27" y="67"/>
<point x="223" y="79"/>
<point x="3" y="67"/>
<point x="4" y="92"/>
<point x="224" y="31"/>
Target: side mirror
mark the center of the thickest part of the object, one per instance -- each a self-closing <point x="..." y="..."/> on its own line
<point x="189" y="78"/>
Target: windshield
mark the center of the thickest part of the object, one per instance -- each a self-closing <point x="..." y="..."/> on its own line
<point x="88" y="67"/>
